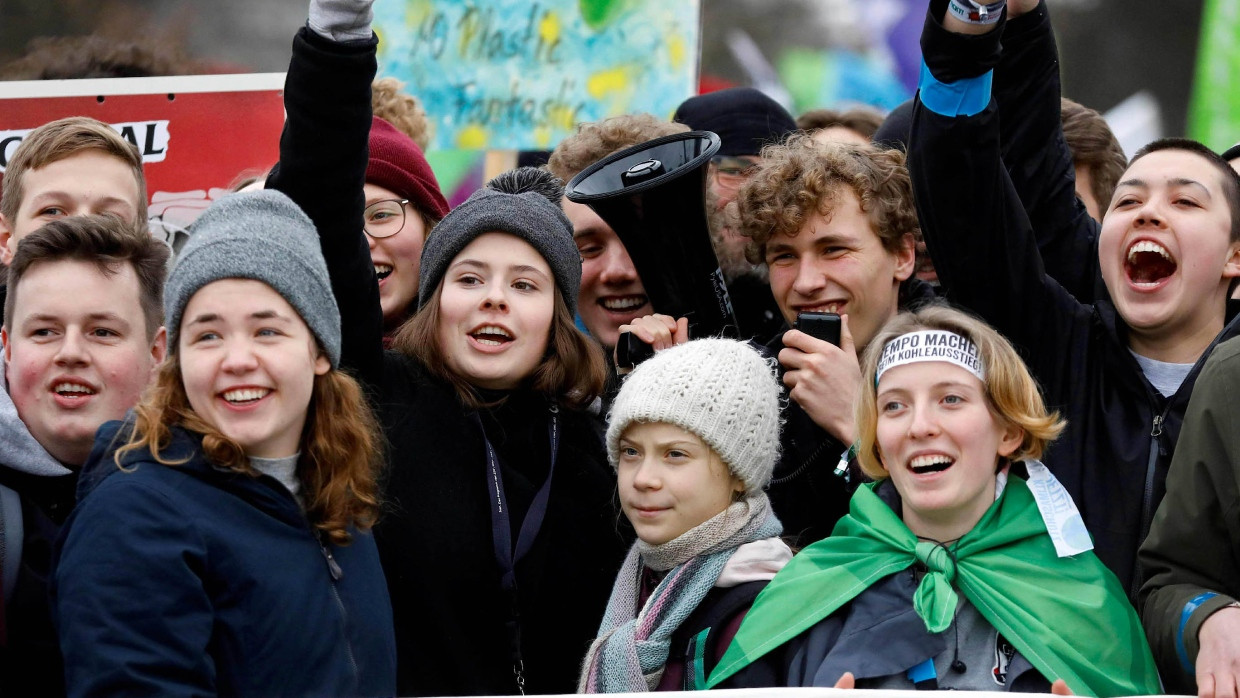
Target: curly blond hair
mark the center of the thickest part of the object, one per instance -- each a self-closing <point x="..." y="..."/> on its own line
<point x="803" y="177"/>
<point x="596" y="140"/>
<point x="389" y="102"/>
<point x="1011" y="392"/>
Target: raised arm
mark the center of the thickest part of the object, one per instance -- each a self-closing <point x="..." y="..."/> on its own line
<point x="974" y="223"/>
<point x="1022" y="60"/>
<point x="323" y="157"/>
<point x="1027" y="90"/>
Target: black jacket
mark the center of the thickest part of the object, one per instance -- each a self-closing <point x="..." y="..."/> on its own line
<point x="435" y="537"/>
<point x="1121" y="433"/>
<point x="30" y="660"/>
<point x="37" y="493"/>
<point x="1035" y="154"/>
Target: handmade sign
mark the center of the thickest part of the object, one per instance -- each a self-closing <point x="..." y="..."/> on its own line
<point x="197" y="134"/>
<point x="520" y="74"/>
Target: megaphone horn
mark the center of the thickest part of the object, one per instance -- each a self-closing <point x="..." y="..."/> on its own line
<point x="653" y="196"/>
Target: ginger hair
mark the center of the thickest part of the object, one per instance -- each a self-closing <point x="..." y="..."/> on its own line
<point x="390" y="102"/>
<point x="340" y="446"/>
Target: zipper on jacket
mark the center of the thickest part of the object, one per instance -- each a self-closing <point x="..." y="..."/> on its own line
<point x="1148" y="501"/>
<point x="813" y="456"/>
<point x="333" y="568"/>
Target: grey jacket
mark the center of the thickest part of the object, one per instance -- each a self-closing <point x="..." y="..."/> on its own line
<point x="877" y="634"/>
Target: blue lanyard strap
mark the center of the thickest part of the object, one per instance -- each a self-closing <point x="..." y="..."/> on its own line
<point x="501" y="532"/>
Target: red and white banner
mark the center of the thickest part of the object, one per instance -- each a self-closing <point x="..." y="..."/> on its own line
<point x="197" y="133"/>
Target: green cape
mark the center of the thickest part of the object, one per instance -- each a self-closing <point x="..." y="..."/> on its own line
<point x="1067" y="616"/>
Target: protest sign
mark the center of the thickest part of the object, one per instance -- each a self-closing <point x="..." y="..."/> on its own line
<point x="197" y="134"/>
<point x="516" y="74"/>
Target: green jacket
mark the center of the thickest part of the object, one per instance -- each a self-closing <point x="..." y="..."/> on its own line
<point x="1192" y="555"/>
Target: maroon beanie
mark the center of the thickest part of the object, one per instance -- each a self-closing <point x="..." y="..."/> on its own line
<point x="397" y="163"/>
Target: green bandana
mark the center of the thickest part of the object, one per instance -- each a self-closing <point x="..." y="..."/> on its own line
<point x="1067" y="616"/>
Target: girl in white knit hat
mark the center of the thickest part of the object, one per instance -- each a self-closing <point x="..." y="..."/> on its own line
<point x="694" y="436"/>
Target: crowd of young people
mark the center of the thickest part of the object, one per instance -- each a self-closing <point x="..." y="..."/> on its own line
<point x="354" y="442"/>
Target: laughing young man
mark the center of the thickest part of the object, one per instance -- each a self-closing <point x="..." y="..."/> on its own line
<point x="1122" y="369"/>
<point x="835" y="225"/>
<point x="611" y="293"/>
<point x="82" y="336"/>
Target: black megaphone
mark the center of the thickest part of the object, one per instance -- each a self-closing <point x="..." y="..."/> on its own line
<point x="653" y="196"/>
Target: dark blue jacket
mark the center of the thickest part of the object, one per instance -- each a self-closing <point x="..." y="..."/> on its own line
<point x="192" y="580"/>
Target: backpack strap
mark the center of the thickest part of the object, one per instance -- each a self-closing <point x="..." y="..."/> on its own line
<point x="719" y="607"/>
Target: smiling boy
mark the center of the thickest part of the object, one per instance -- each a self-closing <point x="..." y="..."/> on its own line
<point x="835" y="225"/>
<point x="1122" y="369"/>
<point x="612" y="293"/>
<point x="82" y="336"/>
<point x="69" y="167"/>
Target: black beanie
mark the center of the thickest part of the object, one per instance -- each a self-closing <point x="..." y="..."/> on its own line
<point x="893" y="133"/>
<point x="744" y="119"/>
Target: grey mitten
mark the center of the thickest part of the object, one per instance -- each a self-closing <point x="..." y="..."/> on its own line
<point x="341" y="20"/>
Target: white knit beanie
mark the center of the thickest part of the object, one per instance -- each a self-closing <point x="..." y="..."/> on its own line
<point x="720" y="389"/>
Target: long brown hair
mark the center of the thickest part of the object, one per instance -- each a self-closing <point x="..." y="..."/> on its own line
<point x="572" y="371"/>
<point x="340" y="446"/>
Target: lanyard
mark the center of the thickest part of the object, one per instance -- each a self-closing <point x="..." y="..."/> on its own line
<point x="501" y="534"/>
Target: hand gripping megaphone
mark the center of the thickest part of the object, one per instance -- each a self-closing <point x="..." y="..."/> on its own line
<point x="653" y="196"/>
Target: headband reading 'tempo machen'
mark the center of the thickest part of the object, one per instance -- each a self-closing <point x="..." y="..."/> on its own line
<point x="931" y="345"/>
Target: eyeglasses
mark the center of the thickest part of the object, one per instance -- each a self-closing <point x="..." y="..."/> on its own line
<point x="731" y="172"/>
<point x="383" y="219"/>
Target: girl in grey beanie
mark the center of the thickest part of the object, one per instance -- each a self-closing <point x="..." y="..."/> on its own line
<point x="501" y="544"/>
<point x="694" y="436"/>
<point x="241" y="493"/>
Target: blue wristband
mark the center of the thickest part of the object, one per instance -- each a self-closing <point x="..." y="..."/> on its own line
<point x="966" y="97"/>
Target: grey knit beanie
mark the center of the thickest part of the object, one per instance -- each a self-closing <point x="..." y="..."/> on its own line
<point x="262" y="236"/>
<point x="524" y="202"/>
<point x="720" y="389"/>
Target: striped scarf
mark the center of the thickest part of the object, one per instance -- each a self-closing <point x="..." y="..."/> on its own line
<point x="632" y="646"/>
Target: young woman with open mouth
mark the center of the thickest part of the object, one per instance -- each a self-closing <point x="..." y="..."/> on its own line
<point x="502" y="539"/>
<point x="403" y="204"/>
<point x="223" y="546"/>
<point x="965" y="564"/>
<point x="499" y="538"/>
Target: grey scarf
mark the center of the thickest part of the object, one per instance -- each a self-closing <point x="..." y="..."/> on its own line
<point x="632" y="646"/>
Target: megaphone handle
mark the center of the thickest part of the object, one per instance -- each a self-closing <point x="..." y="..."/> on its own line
<point x="631" y="350"/>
